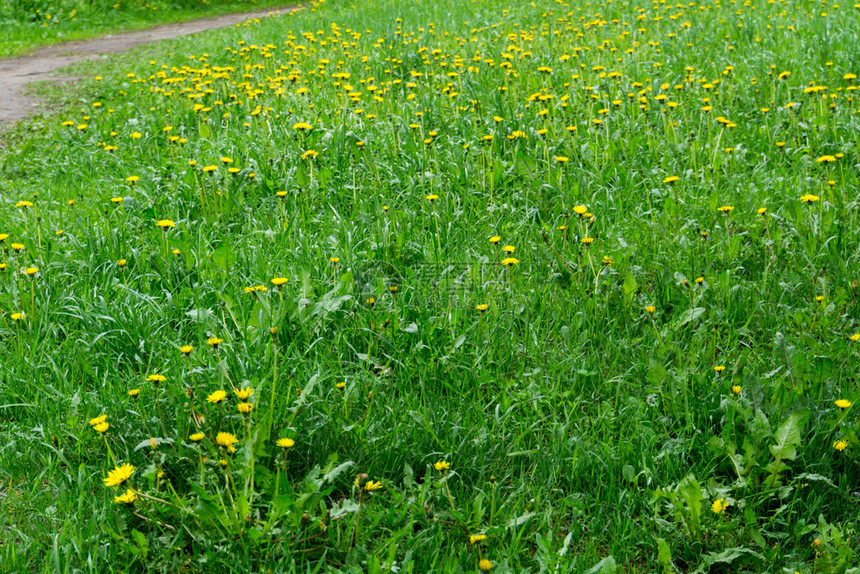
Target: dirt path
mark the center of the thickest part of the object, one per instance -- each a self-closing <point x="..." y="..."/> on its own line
<point x="16" y="73"/>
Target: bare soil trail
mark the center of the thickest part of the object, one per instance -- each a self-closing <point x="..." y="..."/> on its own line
<point x="16" y="73"/>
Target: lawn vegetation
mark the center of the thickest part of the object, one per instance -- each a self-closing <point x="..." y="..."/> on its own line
<point x="446" y="286"/>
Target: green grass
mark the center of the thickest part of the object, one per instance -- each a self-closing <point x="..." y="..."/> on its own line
<point x="597" y="415"/>
<point x="25" y="26"/>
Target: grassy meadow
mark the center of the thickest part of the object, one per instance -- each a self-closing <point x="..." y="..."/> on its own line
<point x="395" y="286"/>
<point x="28" y="24"/>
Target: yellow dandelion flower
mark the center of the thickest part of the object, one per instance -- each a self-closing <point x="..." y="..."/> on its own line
<point x="244" y="394"/>
<point x="98" y="420"/>
<point x="216" y="397"/>
<point x="285" y="442"/>
<point x="119" y="475"/>
<point x="226" y="440"/>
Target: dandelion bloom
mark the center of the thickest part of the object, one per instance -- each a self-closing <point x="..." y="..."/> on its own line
<point x="761" y="210"/>
<point x="432" y="197"/>
<point x="495" y="239"/>
<point x="156" y="378"/>
<point x="165" y="224"/>
<point x="197" y="437"/>
<point x="121" y="263"/>
<point x="509" y="248"/>
<point x="442" y="465"/>
<point x="17" y="316"/>
<point x="855" y="337"/>
<point x="285" y="442"/>
<point x="101" y="428"/>
<point x="132" y="179"/>
<point x="726" y="209"/>
<point x="473" y="538"/>
<point x="650" y="309"/>
<point x="843" y="403"/>
<point x="216" y="397"/>
<point x="510" y="261"/>
<point x="244" y="394"/>
<point x="214" y="342"/>
<point x="482" y="307"/>
<point x="278" y="281"/>
<point x="485" y="565"/>
<point x="580" y="209"/>
<point x="119" y="475"/>
<point x="30" y="271"/>
<point x="370" y="485"/>
<point x="17" y="246"/>
<point x="720" y="368"/>
<point x="840" y="445"/>
<point x="341" y="385"/>
<point x="736" y="389"/>
<point x="719" y="506"/>
<point x="245" y="408"/>
<point x="133" y="393"/>
<point x="186" y="349"/>
<point x="826" y="159"/>
<point x="226" y="440"/>
<point x="128" y="498"/>
<point x="98" y="420"/>
<point x="671" y="179"/>
<point x="23" y="204"/>
<point x="809" y="198"/>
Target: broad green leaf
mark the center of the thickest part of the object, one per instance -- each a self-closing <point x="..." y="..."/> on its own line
<point x="605" y="566"/>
